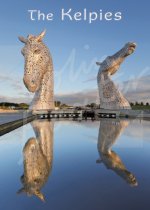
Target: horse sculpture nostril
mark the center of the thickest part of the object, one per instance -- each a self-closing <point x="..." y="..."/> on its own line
<point x="30" y="84"/>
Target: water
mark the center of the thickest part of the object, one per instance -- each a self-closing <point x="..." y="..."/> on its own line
<point x="76" y="166"/>
<point x="9" y="117"/>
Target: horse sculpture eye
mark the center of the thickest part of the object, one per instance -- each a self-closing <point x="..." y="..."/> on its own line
<point x="37" y="51"/>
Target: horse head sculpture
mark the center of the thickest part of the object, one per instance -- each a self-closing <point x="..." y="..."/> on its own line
<point x="110" y="96"/>
<point x="38" y="71"/>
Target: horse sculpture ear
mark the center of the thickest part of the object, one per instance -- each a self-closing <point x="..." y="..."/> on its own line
<point x="40" y="36"/>
<point x="22" y="190"/>
<point x="98" y="63"/>
<point x="22" y="39"/>
<point x="39" y="195"/>
<point x="99" y="161"/>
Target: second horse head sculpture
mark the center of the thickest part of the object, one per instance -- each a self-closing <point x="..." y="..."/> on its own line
<point x="110" y="96"/>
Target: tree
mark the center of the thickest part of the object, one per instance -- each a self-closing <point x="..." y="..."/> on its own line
<point x="88" y="105"/>
<point x="23" y="106"/>
<point x="147" y="104"/>
<point x="93" y="105"/>
<point x="131" y="104"/>
<point x="64" y="106"/>
<point x="57" y="103"/>
<point x="142" y="104"/>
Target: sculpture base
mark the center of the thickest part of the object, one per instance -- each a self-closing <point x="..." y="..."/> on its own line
<point x="42" y="106"/>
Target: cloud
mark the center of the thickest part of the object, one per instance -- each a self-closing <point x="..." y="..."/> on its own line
<point x="15" y="82"/>
<point x="16" y="85"/>
<point x="93" y="78"/>
<point x="15" y="99"/>
<point x="138" y="129"/>
<point x="78" y="98"/>
<point x="137" y="89"/>
<point x="9" y="77"/>
<point x="5" y="78"/>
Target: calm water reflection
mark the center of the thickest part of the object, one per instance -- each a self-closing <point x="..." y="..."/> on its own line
<point x="109" y="132"/>
<point x="66" y="165"/>
<point x="38" y="157"/>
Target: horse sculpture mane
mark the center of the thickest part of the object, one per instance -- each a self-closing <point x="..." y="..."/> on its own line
<point x="110" y="96"/>
<point x="38" y="72"/>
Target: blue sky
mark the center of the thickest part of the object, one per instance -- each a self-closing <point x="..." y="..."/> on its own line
<point x="75" y="46"/>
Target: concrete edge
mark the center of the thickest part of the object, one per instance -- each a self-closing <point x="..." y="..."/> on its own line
<point x="10" y="126"/>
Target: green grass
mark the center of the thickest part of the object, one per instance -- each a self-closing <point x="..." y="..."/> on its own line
<point x="140" y="107"/>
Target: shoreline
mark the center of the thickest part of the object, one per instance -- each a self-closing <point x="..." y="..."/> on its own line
<point x="9" y="111"/>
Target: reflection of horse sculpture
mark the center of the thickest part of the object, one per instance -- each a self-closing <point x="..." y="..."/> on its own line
<point x="38" y="71"/>
<point x="108" y="133"/>
<point x="110" y="96"/>
<point x="38" y="156"/>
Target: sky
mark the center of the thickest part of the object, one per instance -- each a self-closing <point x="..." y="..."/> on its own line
<point x="75" y="47"/>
